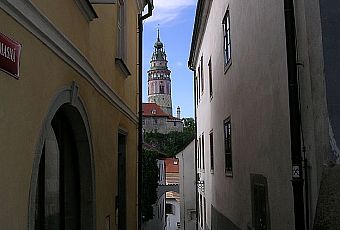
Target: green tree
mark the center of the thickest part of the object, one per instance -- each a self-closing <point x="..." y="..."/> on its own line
<point x="150" y="183"/>
<point x="173" y="142"/>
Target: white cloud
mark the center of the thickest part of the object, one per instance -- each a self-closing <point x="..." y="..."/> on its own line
<point x="166" y="11"/>
<point x="179" y="64"/>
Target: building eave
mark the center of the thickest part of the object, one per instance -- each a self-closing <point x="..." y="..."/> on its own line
<point x="201" y="19"/>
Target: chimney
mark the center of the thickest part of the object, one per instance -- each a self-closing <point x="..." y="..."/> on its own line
<point x="178" y="112"/>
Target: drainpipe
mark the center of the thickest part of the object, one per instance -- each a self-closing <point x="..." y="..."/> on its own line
<point x="140" y="108"/>
<point x="196" y="172"/>
<point x="295" y="119"/>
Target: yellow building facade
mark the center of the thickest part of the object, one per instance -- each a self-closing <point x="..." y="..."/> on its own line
<point x="68" y="124"/>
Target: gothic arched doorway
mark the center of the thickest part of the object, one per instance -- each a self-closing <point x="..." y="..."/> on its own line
<point x="62" y="186"/>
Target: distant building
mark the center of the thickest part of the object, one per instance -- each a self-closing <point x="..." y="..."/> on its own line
<point x="187" y="188"/>
<point x="252" y="91"/>
<point x="172" y="208"/>
<point x="156" y="120"/>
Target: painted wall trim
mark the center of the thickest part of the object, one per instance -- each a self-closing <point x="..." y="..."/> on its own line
<point x="25" y="13"/>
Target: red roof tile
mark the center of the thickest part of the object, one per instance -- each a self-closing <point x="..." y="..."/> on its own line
<point x="153" y="110"/>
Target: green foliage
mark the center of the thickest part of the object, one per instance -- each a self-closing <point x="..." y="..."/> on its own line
<point x="173" y="142"/>
<point x="150" y="183"/>
<point x="169" y="144"/>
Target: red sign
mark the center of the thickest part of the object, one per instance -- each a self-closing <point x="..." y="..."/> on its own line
<point x="9" y="55"/>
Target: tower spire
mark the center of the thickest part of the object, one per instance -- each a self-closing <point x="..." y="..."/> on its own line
<point x="158" y="39"/>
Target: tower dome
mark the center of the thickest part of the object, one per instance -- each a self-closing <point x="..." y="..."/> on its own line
<point x="159" y="81"/>
<point x="158" y="43"/>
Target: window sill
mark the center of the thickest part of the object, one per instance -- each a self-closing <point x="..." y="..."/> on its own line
<point x="123" y="66"/>
<point x="229" y="174"/>
<point x="227" y="66"/>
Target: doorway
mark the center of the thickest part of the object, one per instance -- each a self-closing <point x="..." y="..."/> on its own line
<point x="121" y="198"/>
<point x="64" y="189"/>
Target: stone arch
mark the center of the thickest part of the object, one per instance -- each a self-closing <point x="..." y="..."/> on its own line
<point x="69" y="105"/>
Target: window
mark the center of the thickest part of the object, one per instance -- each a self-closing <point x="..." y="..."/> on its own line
<point x="196" y="88"/>
<point x="205" y="212"/>
<point x="169" y="209"/>
<point x="121" y="30"/>
<point x="161" y="89"/>
<point x="202" y="78"/>
<point x="211" y="143"/>
<point x="199" y="152"/>
<point x="210" y="79"/>
<point x="227" y="147"/>
<point x="199" y="83"/>
<point x="226" y="39"/>
<point x="203" y="162"/>
<point x="201" y="211"/>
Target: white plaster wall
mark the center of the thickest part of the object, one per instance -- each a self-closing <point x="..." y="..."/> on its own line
<point x="173" y="219"/>
<point x="187" y="186"/>
<point x="254" y="93"/>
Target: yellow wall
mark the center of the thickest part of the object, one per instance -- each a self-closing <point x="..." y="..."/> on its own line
<point x="24" y="104"/>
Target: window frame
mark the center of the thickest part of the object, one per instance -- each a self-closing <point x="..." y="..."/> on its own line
<point x="121" y="30"/>
<point x="202" y="76"/>
<point x="211" y="144"/>
<point x="227" y="128"/>
<point x="210" y="79"/>
<point x="202" y="150"/>
<point x="199" y="83"/>
<point x="226" y="40"/>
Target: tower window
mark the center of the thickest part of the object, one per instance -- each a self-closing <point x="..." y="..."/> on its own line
<point x="161" y="89"/>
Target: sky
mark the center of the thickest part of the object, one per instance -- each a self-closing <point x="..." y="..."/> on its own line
<point x="175" y="19"/>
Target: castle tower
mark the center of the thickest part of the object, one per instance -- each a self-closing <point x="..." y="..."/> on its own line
<point x="159" y="82"/>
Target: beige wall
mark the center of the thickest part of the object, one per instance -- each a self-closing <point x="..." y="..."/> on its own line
<point x="25" y="104"/>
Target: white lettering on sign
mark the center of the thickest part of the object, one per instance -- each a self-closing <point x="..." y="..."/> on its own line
<point x="296" y="171"/>
<point x="7" y="52"/>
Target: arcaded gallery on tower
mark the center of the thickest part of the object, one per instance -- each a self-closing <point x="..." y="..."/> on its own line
<point x="68" y="114"/>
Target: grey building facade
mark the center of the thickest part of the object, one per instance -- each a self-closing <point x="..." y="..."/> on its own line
<point x="244" y="133"/>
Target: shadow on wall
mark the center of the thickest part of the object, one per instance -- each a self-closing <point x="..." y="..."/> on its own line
<point x="328" y="207"/>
